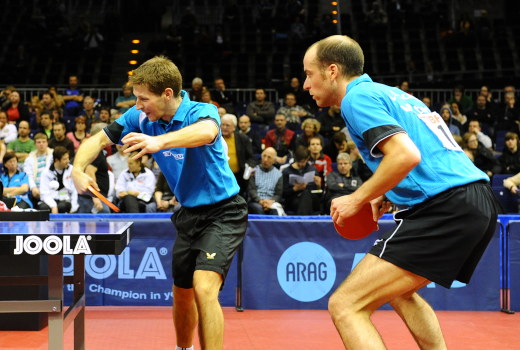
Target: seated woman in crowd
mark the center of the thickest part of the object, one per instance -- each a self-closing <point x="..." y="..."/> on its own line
<point x="482" y="157"/>
<point x="79" y="133"/>
<point x="311" y="128"/>
<point x="16" y="183"/>
<point x="135" y="187"/>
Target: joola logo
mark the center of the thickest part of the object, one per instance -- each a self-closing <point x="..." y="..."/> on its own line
<point x="51" y="245"/>
<point x="177" y="156"/>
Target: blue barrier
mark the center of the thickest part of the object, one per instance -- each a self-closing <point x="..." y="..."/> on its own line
<point x="288" y="263"/>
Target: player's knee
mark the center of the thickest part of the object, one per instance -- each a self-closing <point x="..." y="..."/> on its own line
<point x="206" y="285"/>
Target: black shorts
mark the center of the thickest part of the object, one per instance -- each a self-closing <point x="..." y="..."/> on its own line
<point x="207" y="238"/>
<point x="443" y="238"/>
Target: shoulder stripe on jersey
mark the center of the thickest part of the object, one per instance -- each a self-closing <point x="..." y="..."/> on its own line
<point x="114" y="131"/>
<point x="375" y="135"/>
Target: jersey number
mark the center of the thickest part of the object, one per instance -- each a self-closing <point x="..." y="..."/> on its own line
<point x="437" y="125"/>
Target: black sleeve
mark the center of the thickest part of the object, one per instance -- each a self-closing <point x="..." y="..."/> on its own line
<point x="375" y="135"/>
<point x="114" y="131"/>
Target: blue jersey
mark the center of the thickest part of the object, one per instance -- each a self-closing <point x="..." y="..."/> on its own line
<point x="198" y="175"/>
<point x="374" y="112"/>
<point x="18" y="179"/>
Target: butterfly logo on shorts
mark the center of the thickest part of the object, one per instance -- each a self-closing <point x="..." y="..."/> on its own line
<point x="210" y="256"/>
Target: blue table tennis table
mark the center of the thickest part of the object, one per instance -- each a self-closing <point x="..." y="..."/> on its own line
<point x="55" y="239"/>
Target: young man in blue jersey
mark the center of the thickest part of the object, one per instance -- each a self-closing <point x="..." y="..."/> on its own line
<point x="185" y="140"/>
<point x="449" y="211"/>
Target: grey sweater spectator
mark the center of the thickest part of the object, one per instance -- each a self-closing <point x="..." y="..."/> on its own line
<point x="261" y="111"/>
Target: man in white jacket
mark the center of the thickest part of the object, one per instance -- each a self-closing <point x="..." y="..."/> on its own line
<point x="57" y="191"/>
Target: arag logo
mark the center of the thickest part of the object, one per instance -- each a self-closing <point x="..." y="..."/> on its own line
<point x="306" y="271"/>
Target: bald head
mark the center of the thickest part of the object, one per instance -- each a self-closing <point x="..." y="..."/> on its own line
<point x="340" y="50"/>
<point x="268" y="157"/>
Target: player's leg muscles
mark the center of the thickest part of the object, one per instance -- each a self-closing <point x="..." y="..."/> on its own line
<point x="372" y="283"/>
<point x="185" y="316"/>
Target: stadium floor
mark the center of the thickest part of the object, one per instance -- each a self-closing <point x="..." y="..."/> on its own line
<point x="151" y="328"/>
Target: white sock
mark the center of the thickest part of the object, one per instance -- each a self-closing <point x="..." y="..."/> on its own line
<point x="179" y="348"/>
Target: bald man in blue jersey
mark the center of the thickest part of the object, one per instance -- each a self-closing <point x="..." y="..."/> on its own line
<point x="185" y="140"/>
<point x="449" y="211"/>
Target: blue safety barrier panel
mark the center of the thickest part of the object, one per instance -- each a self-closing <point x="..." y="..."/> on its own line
<point x="514" y="264"/>
<point x="293" y="262"/>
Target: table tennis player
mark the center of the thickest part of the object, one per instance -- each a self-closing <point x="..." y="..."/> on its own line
<point x="449" y="211"/>
<point x="185" y="140"/>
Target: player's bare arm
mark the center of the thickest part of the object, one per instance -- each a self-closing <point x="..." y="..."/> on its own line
<point x="195" y="135"/>
<point x="400" y="157"/>
<point x="87" y="152"/>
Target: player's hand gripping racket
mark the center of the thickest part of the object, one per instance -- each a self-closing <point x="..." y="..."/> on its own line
<point x="358" y="226"/>
<point x="103" y="199"/>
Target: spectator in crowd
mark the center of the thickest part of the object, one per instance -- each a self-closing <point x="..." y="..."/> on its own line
<point x="475" y="128"/>
<point x="337" y="145"/>
<point x="59" y="139"/>
<point x="57" y="97"/>
<point x="266" y="186"/>
<point x="79" y="133"/>
<point x="311" y="128"/>
<point x="261" y="111"/>
<point x="196" y="89"/>
<point x="482" y="156"/>
<point x="47" y="103"/>
<point x="509" y="114"/>
<point x="510" y="158"/>
<point x="97" y="170"/>
<point x="206" y="97"/>
<point x="462" y="119"/>
<point x="341" y="182"/>
<point x="57" y="116"/>
<point x="244" y="126"/>
<point x="16" y="110"/>
<point x="118" y="161"/>
<point x="281" y="139"/>
<point x="221" y="111"/>
<point x="45" y="125"/>
<point x="135" y="186"/>
<point x="359" y="167"/>
<point x="3" y="150"/>
<point x="4" y="96"/>
<point x="465" y="102"/>
<point x="36" y="163"/>
<point x="223" y="97"/>
<point x="484" y="91"/>
<point x="57" y="192"/>
<point x="73" y="98"/>
<point x="23" y="145"/>
<point x="297" y="191"/>
<point x="293" y="112"/>
<point x="164" y="197"/>
<point x="404" y="85"/>
<point x="90" y="114"/>
<point x="484" y="113"/>
<point x="321" y="161"/>
<point x="104" y="115"/>
<point x="452" y="124"/>
<point x="125" y="101"/>
<point x="240" y="150"/>
<point x="16" y="183"/>
<point x="303" y="98"/>
<point x="427" y="101"/>
<point x="331" y="121"/>
<point x="8" y="131"/>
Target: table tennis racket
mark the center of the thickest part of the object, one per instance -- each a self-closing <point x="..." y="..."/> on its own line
<point x="359" y="225"/>
<point x="103" y="199"/>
